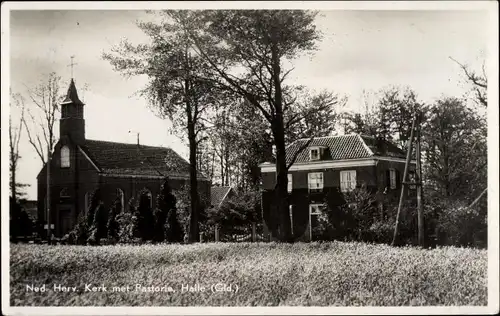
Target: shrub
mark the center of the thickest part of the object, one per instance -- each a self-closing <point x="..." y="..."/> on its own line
<point x="112" y="225"/>
<point x="173" y="229"/>
<point x="166" y="202"/>
<point x="459" y="225"/>
<point x="20" y="222"/>
<point x="98" y="230"/>
<point x="79" y="234"/>
<point x="128" y="223"/>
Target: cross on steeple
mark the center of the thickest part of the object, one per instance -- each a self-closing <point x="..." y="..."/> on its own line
<point x="71" y="65"/>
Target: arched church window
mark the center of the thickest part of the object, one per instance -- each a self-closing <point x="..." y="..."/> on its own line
<point x="146" y="192"/>
<point x="65" y="157"/>
<point x="121" y="196"/>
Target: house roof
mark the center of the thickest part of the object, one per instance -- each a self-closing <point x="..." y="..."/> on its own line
<point x="72" y="95"/>
<point x="218" y="194"/>
<point x="345" y="147"/>
<point x="131" y="159"/>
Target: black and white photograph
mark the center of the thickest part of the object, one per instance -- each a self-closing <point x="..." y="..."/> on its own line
<point x="250" y="157"/>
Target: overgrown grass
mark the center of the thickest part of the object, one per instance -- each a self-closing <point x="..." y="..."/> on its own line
<point x="266" y="274"/>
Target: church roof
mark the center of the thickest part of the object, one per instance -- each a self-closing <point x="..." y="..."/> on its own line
<point x="129" y="159"/>
<point x="72" y="95"/>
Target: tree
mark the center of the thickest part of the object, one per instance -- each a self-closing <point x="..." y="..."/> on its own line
<point x="178" y="87"/>
<point x="390" y="118"/>
<point x="173" y="229"/>
<point x="479" y="82"/>
<point x="15" y="132"/>
<point x="313" y="116"/>
<point x="455" y="150"/>
<point x="248" y="50"/>
<point x="127" y="223"/>
<point x="113" y="225"/>
<point x="97" y="219"/>
<point x="45" y="98"/>
<point x="166" y="202"/>
<point x="20" y="222"/>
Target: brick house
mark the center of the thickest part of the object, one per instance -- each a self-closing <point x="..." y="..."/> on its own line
<point x="330" y="166"/>
<point x="79" y="166"/>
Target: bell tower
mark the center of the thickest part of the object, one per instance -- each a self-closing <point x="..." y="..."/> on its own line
<point x="72" y="123"/>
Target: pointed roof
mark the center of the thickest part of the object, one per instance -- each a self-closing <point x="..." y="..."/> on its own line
<point x="72" y="95"/>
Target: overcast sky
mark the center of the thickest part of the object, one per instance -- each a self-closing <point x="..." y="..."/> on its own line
<point x="361" y="50"/>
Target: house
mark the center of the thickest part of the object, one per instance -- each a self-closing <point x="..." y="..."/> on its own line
<point x="80" y="166"/>
<point x="219" y="195"/>
<point x="329" y="167"/>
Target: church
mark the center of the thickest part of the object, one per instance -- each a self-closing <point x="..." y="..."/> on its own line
<point x="79" y="166"/>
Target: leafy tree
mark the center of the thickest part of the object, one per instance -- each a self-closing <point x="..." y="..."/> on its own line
<point x="128" y="223"/>
<point x="112" y="225"/>
<point x="98" y="230"/>
<point x="173" y="229"/>
<point x="179" y="87"/>
<point x="20" y="222"/>
<point x="455" y="148"/>
<point x="248" y="50"/>
<point x="166" y="202"/>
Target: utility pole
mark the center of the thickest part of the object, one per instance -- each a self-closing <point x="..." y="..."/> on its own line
<point x="420" y="208"/>
<point x="405" y="174"/>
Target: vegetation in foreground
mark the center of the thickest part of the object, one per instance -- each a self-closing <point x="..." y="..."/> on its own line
<point x="266" y="274"/>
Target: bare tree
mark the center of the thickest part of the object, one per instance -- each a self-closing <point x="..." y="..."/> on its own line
<point x="478" y="80"/>
<point x="41" y="119"/>
<point x="15" y="132"/>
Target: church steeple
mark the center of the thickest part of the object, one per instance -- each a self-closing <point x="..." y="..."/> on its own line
<point x="72" y="123"/>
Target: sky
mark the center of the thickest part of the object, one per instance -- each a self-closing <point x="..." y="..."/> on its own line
<point x="360" y="51"/>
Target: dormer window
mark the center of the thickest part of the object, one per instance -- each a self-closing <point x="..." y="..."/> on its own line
<point x="65" y="157"/>
<point x="314" y="153"/>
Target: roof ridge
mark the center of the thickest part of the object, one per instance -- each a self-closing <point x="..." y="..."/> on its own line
<point x="323" y="137"/>
<point x="130" y="144"/>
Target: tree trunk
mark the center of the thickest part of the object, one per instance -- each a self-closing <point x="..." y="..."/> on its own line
<point x="193" y="181"/>
<point x="13" y="178"/>
<point x="278" y="128"/>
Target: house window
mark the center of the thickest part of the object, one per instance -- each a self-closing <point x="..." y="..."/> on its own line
<point x="315" y="181"/>
<point x="290" y="182"/>
<point x="314" y="154"/>
<point x="65" y="157"/>
<point x="347" y="180"/>
<point x="392" y="179"/>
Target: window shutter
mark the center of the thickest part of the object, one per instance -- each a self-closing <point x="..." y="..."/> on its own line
<point x="387" y="179"/>
<point x="398" y="179"/>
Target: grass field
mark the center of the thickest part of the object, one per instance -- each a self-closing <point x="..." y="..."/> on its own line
<point x="260" y="274"/>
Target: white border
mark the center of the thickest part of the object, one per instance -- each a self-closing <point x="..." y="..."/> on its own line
<point x="493" y="259"/>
